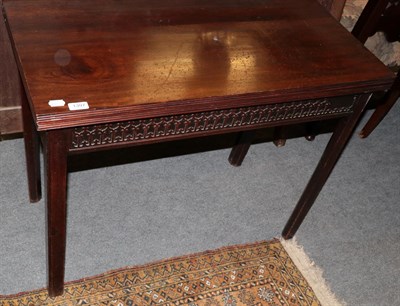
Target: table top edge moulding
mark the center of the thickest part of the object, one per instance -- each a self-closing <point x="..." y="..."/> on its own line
<point x="178" y="81"/>
<point x="153" y="110"/>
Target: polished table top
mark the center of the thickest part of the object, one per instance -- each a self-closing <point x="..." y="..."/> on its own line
<point x="139" y="58"/>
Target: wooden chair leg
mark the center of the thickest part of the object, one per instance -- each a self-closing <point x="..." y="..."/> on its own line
<point x="368" y="20"/>
<point x="382" y="109"/>
<point x="241" y="148"/>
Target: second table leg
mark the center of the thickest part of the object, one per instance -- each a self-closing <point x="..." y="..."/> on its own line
<point x="241" y="148"/>
<point x="55" y="156"/>
<point x="32" y="151"/>
<point x="332" y="152"/>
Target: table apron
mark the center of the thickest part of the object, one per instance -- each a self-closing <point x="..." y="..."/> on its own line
<point x="166" y="128"/>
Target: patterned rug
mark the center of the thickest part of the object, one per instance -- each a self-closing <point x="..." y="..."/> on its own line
<point x="261" y="273"/>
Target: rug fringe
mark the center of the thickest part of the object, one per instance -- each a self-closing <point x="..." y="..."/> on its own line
<point x="311" y="272"/>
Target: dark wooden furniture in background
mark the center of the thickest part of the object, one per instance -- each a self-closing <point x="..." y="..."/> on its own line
<point x="159" y="70"/>
<point x="10" y="90"/>
<point x="380" y="15"/>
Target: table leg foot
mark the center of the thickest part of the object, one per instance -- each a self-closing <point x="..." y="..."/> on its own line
<point x="279" y="136"/>
<point x="241" y="148"/>
<point x="55" y="153"/>
<point x="310" y="131"/>
<point x="279" y="142"/>
<point x="332" y="152"/>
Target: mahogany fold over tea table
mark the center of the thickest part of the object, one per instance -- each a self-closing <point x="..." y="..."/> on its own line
<point x="102" y="74"/>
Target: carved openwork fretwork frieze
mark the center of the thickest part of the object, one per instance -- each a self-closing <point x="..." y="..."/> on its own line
<point x="163" y="127"/>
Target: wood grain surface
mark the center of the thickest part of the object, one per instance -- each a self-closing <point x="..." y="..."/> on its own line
<point x="141" y="59"/>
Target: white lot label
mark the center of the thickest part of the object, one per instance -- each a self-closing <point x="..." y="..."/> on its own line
<point x="56" y="103"/>
<point x="78" y="105"/>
